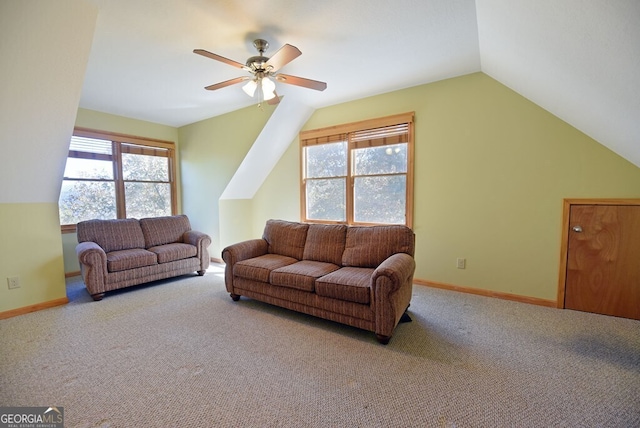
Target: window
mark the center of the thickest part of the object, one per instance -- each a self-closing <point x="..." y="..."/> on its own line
<point x="359" y="173"/>
<point x="111" y="176"/>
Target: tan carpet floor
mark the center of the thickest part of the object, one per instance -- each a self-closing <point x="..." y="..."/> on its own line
<point x="181" y="353"/>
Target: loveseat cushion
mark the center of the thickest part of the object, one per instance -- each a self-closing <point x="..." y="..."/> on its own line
<point x="301" y="275"/>
<point x="286" y="238"/>
<point x="130" y="259"/>
<point x="176" y="251"/>
<point x="259" y="268"/>
<point x="348" y="283"/>
<point x="164" y="230"/>
<point x="112" y="235"/>
<point x="325" y="243"/>
<point x="368" y="246"/>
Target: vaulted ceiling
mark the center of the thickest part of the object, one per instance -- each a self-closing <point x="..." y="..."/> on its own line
<point x="578" y="59"/>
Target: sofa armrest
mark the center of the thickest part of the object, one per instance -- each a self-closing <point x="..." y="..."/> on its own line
<point x="244" y="250"/>
<point x="392" y="285"/>
<point x="397" y="268"/>
<point x="93" y="266"/>
<point x="238" y="252"/>
<point x="201" y="241"/>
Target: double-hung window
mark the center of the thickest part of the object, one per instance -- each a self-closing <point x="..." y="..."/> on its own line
<point x="359" y="173"/>
<point x="110" y="176"/>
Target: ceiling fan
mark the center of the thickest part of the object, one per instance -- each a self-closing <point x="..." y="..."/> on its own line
<point x="263" y="72"/>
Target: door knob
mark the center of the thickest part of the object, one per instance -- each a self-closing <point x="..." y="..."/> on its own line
<point x="577" y="229"/>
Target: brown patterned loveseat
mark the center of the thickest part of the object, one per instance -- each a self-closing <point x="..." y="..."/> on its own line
<point x="360" y="276"/>
<point x="120" y="253"/>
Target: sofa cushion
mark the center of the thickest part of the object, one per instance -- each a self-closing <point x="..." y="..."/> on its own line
<point x="112" y="235"/>
<point x="130" y="259"/>
<point x="368" y="246"/>
<point x="325" y="243"/>
<point x="164" y="230"/>
<point x="301" y="275"/>
<point x="259" y="268"/>
<point x="286" y="238"/>
<point x="348" y="283"/>
<point x="171" y="252"/>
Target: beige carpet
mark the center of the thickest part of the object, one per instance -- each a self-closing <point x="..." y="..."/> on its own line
<point x="181" y="353"/>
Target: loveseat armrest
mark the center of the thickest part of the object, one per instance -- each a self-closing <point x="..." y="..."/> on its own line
<point x="93" y="266"/>
<point x="241" y="251"/>
<point x="392" y="286"/>
<point x="195" y="238"/>
<point x="201" y="241"/>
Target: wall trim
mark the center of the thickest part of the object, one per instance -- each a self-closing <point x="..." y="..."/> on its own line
<point x="72" y="274"/>
<point x="488" y="293"/>
<point x="33" y="308"/>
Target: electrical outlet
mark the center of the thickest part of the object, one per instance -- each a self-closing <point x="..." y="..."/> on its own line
<point x="13" y="282"/>
<point x="461" y="263"/>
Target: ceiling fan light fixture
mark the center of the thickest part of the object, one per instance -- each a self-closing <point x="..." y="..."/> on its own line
<point x="268" y="88"/>
<point x="263" y="85"/>
<point x="250" y="87"/>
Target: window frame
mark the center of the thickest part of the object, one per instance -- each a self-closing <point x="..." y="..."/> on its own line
<point x="337" y="133"/>
<point x="149" y="146"/>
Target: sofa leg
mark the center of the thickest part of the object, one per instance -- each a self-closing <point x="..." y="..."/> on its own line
<point x="235" y="297"/>
<point x="97" y="297"/>
<point x="201" y="272"/>
<point x="383" y="339"/>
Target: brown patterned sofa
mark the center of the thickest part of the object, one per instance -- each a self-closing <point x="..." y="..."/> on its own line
<point x="120" y="253"/>
<point x="360" y="276"/>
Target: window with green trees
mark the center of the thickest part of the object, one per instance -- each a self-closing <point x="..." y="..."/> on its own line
<point x="110" y="176"/>
<point x="359" y="173"/>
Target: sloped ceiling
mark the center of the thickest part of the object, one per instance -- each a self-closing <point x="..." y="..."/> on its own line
<point x="579" y="59"/>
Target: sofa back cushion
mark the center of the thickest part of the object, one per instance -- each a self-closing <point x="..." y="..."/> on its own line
<point x="164" y="230"/>
<point x="285" y="238"/>
<point x="112" y="235"/>
<point x="325" y="243"/>
<point x="368" y="246"/>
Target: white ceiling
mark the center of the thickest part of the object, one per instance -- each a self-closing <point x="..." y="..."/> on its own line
<point x="579" y="59"/>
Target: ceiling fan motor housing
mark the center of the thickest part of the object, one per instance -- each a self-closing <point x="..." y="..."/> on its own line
<point x="258" y="62"/>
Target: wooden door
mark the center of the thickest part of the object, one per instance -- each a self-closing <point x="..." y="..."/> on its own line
<point x="603" y="260"/>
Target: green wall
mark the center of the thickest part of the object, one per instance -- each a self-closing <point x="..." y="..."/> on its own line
<point x="34" y="254"/>
<point x="491" y="173"/>
<point x="211" y="151"/>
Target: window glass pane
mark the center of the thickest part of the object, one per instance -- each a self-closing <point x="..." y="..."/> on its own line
<point x="380" y="199"/>
<point x="389" y="159"/>
<point x="326" y="199"/>
<point x="88" y="168"/>
<point x="326" y="160"/>
<point x="145" y="168"/>
<point x="147" y="199"/>
<point x="86" y="200"/>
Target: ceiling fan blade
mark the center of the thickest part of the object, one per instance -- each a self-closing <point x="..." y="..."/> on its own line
<point x="301" y="81"/>
<point x="226" y="83"/>
<point x="283" y="56"/>
<point x="220" y="58"/>
<point x="275" y="100"/>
